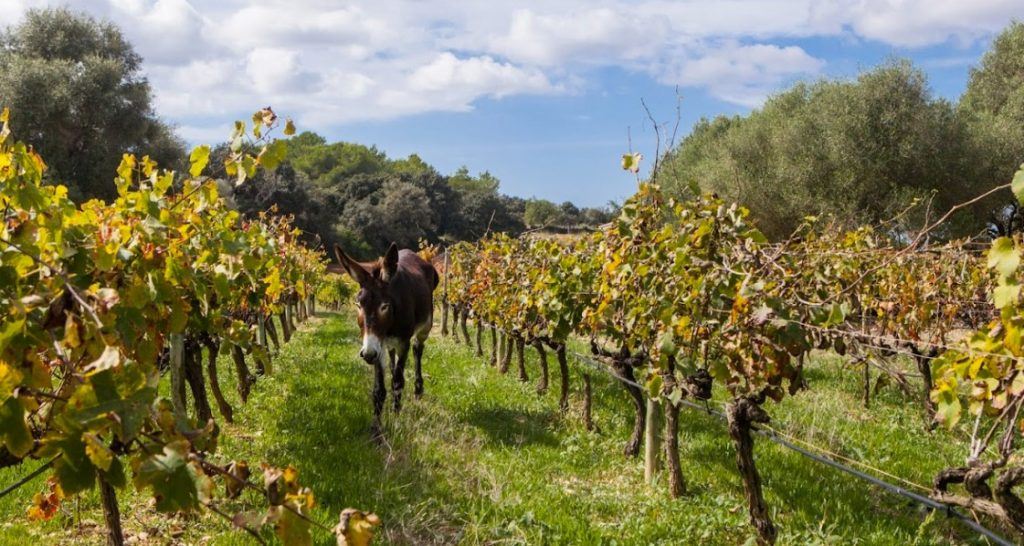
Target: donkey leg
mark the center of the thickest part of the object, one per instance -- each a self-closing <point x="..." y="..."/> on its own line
<point x="417" y="353"/>
<point x="379" y="393"/>
<point x="398" y="374"/>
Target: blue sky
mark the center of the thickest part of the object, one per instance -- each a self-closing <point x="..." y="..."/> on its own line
<point x="541" y="94"/>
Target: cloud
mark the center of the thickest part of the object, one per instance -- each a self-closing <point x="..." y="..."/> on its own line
<point x="336" y="63"/>
<point x="917" y="23"/>
<point x="741" y="74"/>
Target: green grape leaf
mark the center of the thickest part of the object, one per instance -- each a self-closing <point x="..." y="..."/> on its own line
<point x="176" y="484"/>
<point x="1017" y="185"/>
<point x="14" y="429"/>
<point x="1004" y="256"/>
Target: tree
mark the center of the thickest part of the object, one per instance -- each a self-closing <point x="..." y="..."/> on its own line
<point x="862" y="151"/>
<point x="993" y="105"/>
<point x="463" y="182"/>
<point x="77" y="94"/>
<point x="541" y="212"/>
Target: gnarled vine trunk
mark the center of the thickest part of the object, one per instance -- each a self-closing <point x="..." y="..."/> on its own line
<point x="213" y="350"/>
<point x="542" y="385"/>
<point x="521" y="358"/>
<point x="245" y="378"/>
<point x="742" y="413"/>
<point x="624" y="370"/>
<point x="563" y="370"/>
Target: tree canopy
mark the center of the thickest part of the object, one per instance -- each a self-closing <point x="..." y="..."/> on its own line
<point x="861" y="150"/>
<point x="80" y="98"/>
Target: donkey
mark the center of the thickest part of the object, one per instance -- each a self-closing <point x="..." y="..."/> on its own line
<point x="395" y="307"/>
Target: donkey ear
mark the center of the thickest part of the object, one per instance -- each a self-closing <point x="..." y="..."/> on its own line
<point x="390" y="263"/>
<point x="355" y="270"/>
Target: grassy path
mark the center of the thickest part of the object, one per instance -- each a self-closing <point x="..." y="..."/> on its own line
<point x="482" y="459"/>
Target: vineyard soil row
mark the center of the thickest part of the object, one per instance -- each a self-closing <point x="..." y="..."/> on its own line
<point x="482" y="458"/>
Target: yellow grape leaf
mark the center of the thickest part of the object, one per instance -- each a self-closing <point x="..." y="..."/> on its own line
<point x="631" y="162"/>
<point x="289" y="128"/>
<point x="234" y="485"/>
<point x="110" y="358"/>
<point x="355" y="527"/>
<point x="72" y="337"/>
<point x="99" y="454"/>
<point x="198" y="159"/>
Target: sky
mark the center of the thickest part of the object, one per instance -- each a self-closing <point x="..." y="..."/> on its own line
<point x="545" y="95"/>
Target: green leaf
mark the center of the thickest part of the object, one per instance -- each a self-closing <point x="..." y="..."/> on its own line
<point x="1017" y="185"/>
<point x="947" y="408"/>
<point x="274" y="154"/>
<point x="199" y="158"/>
<point x="1005" y="294"/>
<point x="631" y="162"/>
<point x="14" y="429"/>
<point x="73" y="469"/>
<point x="1003" y="256"/>
<point x="99" y="454"/>
<point x="654" y="383"/>
<point x="175" y="483"/>
<point x="289" y="128"/>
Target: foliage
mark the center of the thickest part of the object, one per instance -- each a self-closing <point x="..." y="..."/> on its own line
<point x="91" y="297"/>
<point x="861" y="151"/>
<point x="81" y="99"/>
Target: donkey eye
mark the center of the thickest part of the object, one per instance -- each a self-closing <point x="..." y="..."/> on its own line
<point x="384" y="307"/>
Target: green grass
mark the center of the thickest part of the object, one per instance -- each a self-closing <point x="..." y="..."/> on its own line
<point x="482" y="459"/>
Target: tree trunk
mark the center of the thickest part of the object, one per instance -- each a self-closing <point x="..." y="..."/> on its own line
<point x="479" y="338"/>
<point x="196" y="381"/>
<point x="632" y="448"/>
<point x="741" y="413"/>
<point x="563" y="370"/>
<point x="245" y="378"/>
<point x="652" y="441"/>
<point x="213" y="348"/>
<point x="542" y="385"/>
<point x="111" y="512"/>
<point x="588" y="421"/>
<point x="521" y="358"/>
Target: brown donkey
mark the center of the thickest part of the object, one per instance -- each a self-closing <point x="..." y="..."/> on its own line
<point x="395" y="307"/>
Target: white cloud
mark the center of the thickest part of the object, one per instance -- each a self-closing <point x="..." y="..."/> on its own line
<point x="331" y="63"/>
<point x="916" y="23"/>
<point x="743" y="74"/>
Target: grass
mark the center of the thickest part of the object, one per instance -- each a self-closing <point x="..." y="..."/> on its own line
<point x="482" y="459"/>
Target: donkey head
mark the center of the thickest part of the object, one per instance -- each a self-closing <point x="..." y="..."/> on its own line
<point x="374" y="302"/>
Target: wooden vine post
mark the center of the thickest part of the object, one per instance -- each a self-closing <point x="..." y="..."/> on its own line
<point x="177" y="356"/>
<point x="652" y="440"/>
<point x="494" y="347"/>
<point x="444" y="298"/>
<point x="479" y="338"/>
